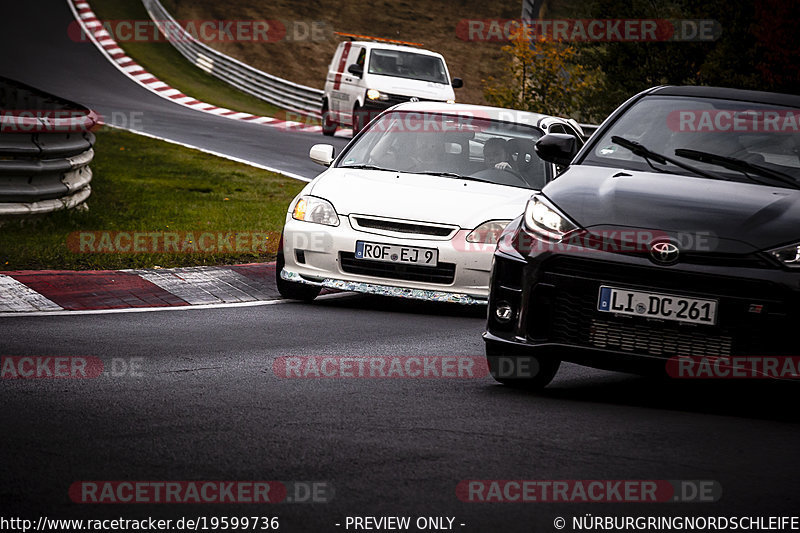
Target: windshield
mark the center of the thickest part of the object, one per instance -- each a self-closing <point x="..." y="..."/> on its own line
<point x="456" y="146"/>
<point x="407" y="65"/>
<point x="767" y="137"/>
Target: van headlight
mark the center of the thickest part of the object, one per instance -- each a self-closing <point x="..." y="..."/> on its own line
<point x="545" y="220"/>
<point x="787" y="255"/>
<point x="375" y="94"/>
<point x="316" y="210"/>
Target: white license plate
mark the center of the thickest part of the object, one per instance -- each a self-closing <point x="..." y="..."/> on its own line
<point x="656" y="305"/>
<point x="392" y="253"/>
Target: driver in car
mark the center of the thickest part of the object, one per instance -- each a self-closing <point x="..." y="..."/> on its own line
<point x="495" y="155"/>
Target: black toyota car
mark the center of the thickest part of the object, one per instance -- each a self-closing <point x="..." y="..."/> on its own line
<point x="673" y="233"/>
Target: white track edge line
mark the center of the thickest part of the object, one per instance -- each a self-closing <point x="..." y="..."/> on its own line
<point x="172" y="307"/>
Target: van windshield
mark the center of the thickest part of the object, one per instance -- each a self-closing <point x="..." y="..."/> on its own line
<point x="399" y="64"/>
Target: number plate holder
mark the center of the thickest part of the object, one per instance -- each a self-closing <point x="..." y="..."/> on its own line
<point x="657" y="305"/>
<point x="394" y="253"/>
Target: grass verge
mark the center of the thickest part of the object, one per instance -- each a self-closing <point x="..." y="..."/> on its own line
<point x="145" y="185"/>
<point x="163" y="61"/>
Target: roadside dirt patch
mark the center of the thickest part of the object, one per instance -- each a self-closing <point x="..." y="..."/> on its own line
<point x="432" y="23"/>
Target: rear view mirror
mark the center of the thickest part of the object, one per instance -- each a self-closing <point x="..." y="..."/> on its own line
<point x="356" y="70"/>
<point x="558" y="148"/>
<point x="322" y="154"/>
<point x="458" y="83"/>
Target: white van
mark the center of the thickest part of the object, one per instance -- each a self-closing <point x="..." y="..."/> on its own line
<point x="366" y="77"/>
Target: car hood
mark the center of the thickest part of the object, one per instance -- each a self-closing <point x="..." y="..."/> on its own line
<point x="758" y="216"/>
<point x="419" y="197"/>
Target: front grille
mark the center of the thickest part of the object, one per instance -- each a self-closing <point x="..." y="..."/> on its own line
<point x="401" y="98"/>
<point x="664" y="278"/>
<point x="404" y="227"/>
<point x="573" y="318"/>
<point x="640" y="338"/>
<point x="726" y="260"/>
<point x="443" y="273"/>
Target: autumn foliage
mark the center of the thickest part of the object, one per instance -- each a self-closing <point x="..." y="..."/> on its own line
<point x="543" y="76"/>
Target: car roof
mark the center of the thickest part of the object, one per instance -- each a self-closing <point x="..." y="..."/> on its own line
<point x="479" y="111"/>
<point x="760" y="97"/>
<point x="400" y="47"/>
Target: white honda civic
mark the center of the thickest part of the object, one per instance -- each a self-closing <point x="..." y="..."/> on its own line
<point x="413" y="206"/>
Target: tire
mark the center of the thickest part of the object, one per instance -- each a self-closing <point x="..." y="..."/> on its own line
<point x="328" y="126"/>
<point x="359" y="119"/>
<point x="291" y="289"/>
<point x="519" y="370"/>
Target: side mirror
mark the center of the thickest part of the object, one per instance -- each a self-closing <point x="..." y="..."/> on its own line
<point x="558" y="148"/>
<point x="322" y="154"/>
<point x="356" y="70"/>
<point x="458" y="83"/>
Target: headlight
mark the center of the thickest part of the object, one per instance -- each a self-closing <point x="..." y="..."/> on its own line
<point x="317" y="210"/>
<point x="542" y="218"/>
<point x="375" y="94"/>
<point x="788" y="255"/>
<point x="488" y="232"/>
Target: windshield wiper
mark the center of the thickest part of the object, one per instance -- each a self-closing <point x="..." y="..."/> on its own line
<point x="739" y="165"/>
<point x="370" y="167"/>
<point x="451" y="175"/>
<point x="648" y="155"/>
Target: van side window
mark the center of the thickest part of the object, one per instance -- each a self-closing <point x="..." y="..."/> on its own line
<point x="362" y="56"/>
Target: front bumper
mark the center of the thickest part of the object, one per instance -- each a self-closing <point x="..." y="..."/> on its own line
<point x="325" y="256"/>
<point x="554" y="300"/>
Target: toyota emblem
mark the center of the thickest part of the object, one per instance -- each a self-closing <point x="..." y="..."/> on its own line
<point x="664" y="252"/>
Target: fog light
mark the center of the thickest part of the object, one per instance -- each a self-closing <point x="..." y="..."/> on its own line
<point x="504" y="312"/>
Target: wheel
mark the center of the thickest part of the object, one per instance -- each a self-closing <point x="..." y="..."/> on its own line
<point x="291" y="289"/>
<point x="328" y="125"/>
<point x="520" y="370"/>
<point x="359" y="119"/>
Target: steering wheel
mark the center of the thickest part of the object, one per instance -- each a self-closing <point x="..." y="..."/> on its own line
<point x="494" y="174"/>
<point x="514" y="173"/>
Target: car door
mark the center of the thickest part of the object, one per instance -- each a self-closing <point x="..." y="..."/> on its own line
<point x="339" y="99"/>
<point x="352" y="85"/>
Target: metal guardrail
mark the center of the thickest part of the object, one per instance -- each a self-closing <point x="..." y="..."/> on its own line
<point x="45" y="150"/>
<point x="275" y="90"/>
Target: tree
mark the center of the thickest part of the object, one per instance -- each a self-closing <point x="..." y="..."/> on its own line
<point x="543" y="77"/>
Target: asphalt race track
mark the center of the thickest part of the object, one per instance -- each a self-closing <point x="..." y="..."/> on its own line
<point x="207" y="405"/>
<point x="204" y="402"/>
